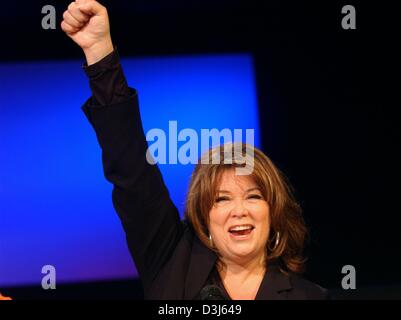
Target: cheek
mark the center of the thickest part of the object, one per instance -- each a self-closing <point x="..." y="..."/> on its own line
<point x="217" y="219"/>
<point x="262" y="217"/>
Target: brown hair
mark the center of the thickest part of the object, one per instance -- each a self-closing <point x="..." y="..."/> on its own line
<point x="285" y="213"/>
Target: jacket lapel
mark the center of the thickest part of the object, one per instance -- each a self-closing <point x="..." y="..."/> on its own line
<point x="274" y="283"/>
<point x="201" y="264"/>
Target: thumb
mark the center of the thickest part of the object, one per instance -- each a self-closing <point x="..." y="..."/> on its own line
<point x="92" y="8"/>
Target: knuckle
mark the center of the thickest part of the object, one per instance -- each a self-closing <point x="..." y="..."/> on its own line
<point x="67" y="25"/>
<point x="64" y="26"/>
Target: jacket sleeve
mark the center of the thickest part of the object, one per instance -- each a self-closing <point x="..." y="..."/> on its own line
<point x="150" y="219"/>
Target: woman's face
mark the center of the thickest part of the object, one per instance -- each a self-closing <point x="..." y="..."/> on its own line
<point x="239" y="218"/>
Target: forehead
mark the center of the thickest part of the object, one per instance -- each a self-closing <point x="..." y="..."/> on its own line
<point x="230" y="181"/>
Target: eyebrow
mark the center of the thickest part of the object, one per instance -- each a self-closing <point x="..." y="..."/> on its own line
<point x="249" y="190"/>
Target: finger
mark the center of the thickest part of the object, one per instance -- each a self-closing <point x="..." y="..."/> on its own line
<point x="4" y="297"/>
<point x="68" y="28"/>
<point x="71" y="20"/>
<point x="82" y="1"/>
<point x="92" y="8"/>
<point x="77" y="14"/>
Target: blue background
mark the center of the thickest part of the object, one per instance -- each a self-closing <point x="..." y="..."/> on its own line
<point x="55" y="205"/>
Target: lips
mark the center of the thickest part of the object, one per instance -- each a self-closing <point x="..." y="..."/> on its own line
<point x="241" y="230"/>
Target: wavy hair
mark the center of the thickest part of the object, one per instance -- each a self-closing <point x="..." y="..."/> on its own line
<point x="285" y="213"/>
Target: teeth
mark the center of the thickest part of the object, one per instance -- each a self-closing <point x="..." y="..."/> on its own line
<point x="240" y="228"/>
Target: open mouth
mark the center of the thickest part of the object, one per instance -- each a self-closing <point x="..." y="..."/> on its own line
<point x="241" y="230"/>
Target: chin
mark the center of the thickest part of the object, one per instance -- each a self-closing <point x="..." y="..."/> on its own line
<point x="243" y="252"/>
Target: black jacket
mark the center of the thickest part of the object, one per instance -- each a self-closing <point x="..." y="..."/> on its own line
<point x="171" y="260"/>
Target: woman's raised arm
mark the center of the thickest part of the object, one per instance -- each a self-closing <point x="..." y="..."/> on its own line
<point x="140" y="197"/>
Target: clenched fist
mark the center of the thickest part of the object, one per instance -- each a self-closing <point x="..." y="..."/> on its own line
<point x="87" y="23"/>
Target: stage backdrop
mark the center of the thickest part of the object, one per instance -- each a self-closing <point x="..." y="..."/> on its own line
<point x="55" y="205"/>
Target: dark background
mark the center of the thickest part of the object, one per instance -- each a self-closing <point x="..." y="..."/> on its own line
<point x="329" y="112"/>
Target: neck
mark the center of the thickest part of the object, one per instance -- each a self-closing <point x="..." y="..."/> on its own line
<point x="242" y="269"/>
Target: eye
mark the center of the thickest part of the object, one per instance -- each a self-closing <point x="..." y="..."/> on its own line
<point x="221" y="199"/>
<point x="254" y="196"/>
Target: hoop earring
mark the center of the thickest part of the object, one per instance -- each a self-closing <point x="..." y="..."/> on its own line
<point x="276" y="242"/>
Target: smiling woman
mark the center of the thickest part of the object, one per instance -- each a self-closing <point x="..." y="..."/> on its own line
<point x="243" y="233"/>
<point x="248" y="220"/>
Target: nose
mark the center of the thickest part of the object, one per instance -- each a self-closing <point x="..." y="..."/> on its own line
<point x="239" y="210"/>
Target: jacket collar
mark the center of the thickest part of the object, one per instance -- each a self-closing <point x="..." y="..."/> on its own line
<point x="274" y="283"/>
<point x="201" y="264"/>
<point x="202" y="261"/>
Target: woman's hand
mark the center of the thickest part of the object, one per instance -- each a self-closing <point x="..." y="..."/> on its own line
<point x="4" y="298"/>
<point x="87" y="23"/>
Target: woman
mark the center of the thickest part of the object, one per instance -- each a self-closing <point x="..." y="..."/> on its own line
<point x="243" y="234"/>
